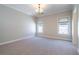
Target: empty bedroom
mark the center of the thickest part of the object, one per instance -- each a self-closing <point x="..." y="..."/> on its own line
<point x="39" y="29"/>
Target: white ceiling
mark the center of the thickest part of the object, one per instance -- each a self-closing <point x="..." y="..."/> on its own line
<point x="50" y="8"/>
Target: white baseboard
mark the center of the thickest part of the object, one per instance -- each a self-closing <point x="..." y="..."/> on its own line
<point x="54" y="37"/>
<point x="3" y="43"/>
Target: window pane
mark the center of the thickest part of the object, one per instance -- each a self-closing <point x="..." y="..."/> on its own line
<point x="40" y="28"/>
<point x="63" y="25"/>
<point x="63" y="29"/>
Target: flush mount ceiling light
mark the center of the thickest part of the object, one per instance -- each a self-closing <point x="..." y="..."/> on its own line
<point x="39" y="8"/>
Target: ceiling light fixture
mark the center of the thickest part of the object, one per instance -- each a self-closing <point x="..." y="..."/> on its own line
<point x="39" y="8"/>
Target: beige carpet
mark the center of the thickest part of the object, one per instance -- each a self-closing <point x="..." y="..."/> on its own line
<point x="38" y="46"/>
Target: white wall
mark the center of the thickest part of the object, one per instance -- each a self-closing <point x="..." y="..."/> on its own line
<point x="78" y="30"/>
<point x="14" y="24"/>
<point x="75" y="26"/>
<point x="50" y="25"/>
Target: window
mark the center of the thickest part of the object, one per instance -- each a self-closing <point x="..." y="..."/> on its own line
<point x="64" y="25"/>
<point x="40" y="27"/>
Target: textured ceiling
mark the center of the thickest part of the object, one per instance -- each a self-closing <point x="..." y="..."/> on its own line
<point x="49" y="9"/>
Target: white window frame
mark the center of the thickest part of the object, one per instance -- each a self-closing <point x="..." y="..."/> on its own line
<point x="58" y="25"/>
